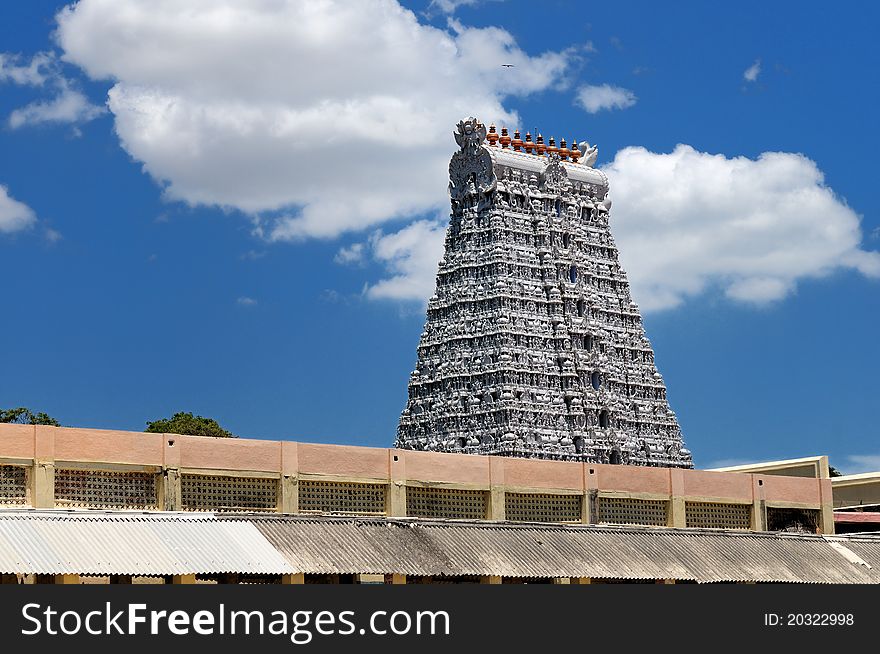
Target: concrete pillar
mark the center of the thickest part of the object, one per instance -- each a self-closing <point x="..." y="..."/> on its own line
<point x="677" y="510"/>
<point x="183" y="579"/>
<point x="395" y="578"/>
<point x="496" y="507"/>
<point x="289" y="494"/>
<point x="759" y="515"/>
<point x="496" y="503"/>
<point x="397" y="487"/>
<point x="491" y="579"/>
<point x="590" y="505"/>
<point x="171" y="489"/>
<point x="826" y="509"/>
<point x="67" y="579"/>
<point x="43" y="485"/>
<point x="294" y="578"/>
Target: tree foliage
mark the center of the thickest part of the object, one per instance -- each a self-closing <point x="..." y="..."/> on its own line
<point x="24" y="416"/>
<point x="188" y="424"/>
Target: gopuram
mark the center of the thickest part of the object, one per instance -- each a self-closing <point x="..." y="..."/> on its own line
<point x="532" y="345"/>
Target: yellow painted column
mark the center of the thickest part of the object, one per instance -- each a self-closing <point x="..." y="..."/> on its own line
<point x="561" y="581"/>
<point x="677" y="509"/>
<point x="491" y="579"/>
<point x="183" y="579"/>
<point x="67" y="579"/>
<point x="289" y="494"/>
<point x="171" y="489"/>
<point x="397" y="484"/>
<point x="43" y="485"/>
<point x="395" y="578"/>
<point x="295" y="578"/>
<point x="581" y="581"/>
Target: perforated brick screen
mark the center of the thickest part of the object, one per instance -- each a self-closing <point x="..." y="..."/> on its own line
<point x="13" y="485"/>
<point x="446" y="503"/>
<point x="632" y="511"/>
<point x="225" y="493"/>
<point x="716" y="515"/>
<point x="105" y="489"/>
<point x="342" y="497"/>
<point x="542" y="507"/>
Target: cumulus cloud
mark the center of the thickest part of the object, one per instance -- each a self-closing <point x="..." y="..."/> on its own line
<point x="409" y="257"/>
<point x="751" y="73"/>
<point x="67" y="104"/>
<point x="594" y="99"/>
<point x="688" y="221"/>
<point x="316" y="118"/>
<point x="245" y="301"/>
<point x="14" y="215"/>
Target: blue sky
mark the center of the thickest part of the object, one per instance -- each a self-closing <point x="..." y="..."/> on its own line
<point x="235" y="210"/>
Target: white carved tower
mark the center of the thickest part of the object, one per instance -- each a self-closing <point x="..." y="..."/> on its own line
<point x="533" y="346"/>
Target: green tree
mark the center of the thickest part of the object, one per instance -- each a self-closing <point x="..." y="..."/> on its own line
<point x="24" y="416"/>
<point x="187" y="423"/>
<point x="834" y="472"/>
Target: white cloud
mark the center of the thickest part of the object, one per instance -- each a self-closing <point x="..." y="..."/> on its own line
<point x="688" y="221"/>
<point x="319" y="118"/>
<point x="33" y="73"/>
<point x="858" y="463"/>
<point x="14" y="215"/>
<point x="449" y="6"/>
<point x="410" y="256"/>
<point x="594" y="99"/>
<point x="68" y="104"/>
<point x="245" y="301"/>
<point x="353" y="253"/>
<point x="751" y="73"/>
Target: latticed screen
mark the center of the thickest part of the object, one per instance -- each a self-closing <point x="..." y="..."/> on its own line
<point x="715" y="515"/>
<point x="446" y="503"/>
<point x="223" y="493"/>
<point x="341" y="497"/>
<point x="542" y="507"/>
<point x="105" y="489"/>
<point x="632" y="511"/>
<point x="13" y="485"/>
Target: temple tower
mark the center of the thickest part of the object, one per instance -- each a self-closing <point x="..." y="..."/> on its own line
<point x="533" y="346"/>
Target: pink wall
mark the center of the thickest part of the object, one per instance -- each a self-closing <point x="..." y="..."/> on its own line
<point x="17" y="441"/>
<point x="342" y="460"/>
<point x="727" y="485"/>
<point x="172" y="450"/>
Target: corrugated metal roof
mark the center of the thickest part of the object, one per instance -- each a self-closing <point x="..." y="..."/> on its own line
<point x="102" y="543"/>
<point x="48" y="542"/>
<point x="441" y="548"/>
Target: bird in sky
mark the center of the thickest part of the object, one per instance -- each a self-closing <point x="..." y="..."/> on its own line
<point x="508" y="65"/>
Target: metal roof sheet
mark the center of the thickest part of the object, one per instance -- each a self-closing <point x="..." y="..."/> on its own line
<point x="453" y="548"/>
<point x="48" y="542"/>
<point x="102" y="543"/>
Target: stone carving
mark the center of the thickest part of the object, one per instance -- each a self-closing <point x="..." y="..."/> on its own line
<point x="554" y="179"/>
<point x="589" y="154"/>
<point x="471" y="170"/>
<point x="532" y="345"/>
